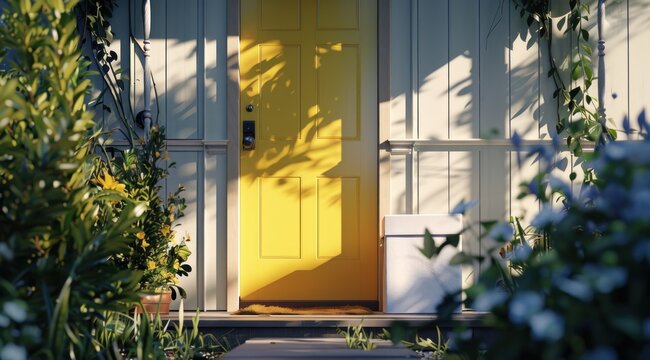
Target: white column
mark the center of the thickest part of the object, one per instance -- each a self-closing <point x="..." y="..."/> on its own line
<point x="601" y="72"/>
<point x="146" y="114"/>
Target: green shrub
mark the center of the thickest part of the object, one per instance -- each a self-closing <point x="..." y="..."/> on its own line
<point x="158" y="252"/>
<point x="54" y="241"/>
<point x="586" y="296"/>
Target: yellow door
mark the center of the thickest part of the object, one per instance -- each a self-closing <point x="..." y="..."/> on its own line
<point x="309" y="187"/>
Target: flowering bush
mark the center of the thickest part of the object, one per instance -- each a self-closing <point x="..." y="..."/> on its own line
<point x="586" y="296"/>
<point x="157" y="250"/>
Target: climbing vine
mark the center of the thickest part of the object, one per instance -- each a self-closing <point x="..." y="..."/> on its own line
<point x="581" y="122"/>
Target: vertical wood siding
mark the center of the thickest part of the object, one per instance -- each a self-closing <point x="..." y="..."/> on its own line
<point x="479" y="74"/>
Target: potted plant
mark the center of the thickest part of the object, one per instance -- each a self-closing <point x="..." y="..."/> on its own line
<point x="158" y="251"/>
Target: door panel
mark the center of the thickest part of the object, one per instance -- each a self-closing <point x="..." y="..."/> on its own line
<point x="309" y="188"/>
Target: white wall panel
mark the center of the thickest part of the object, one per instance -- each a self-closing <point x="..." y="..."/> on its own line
<point x="214" y="108"/>
<point x="494" y="62"/>
<point x="400" y="69"/>
<point x="464" y="65"/>
<point x="214" y="242"/>
<point x="464" y="185"/>
<point x="433" y="69"/>
<point x="524" y="78"/>
<point x="639" y="52"/>
<point x="187" y="173"/>
<point x="433" y="182"/>
<point x="616" y="48"/>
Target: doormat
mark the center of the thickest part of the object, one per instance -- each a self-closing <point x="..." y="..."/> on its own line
<point x="257" y="309"/>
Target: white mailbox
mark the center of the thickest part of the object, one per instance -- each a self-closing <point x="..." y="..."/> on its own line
<point x="415" y="284"/>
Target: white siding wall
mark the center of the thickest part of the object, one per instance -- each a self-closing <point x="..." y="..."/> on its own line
<point x="469" y="69"/>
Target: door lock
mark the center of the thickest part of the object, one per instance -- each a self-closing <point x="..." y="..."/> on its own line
<point x="248" y="132"/>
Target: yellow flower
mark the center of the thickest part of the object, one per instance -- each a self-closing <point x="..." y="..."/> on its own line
<point x="140" y="235"/>
<point x="165" y="230"/>
<point x="109" y="183"/>
<point x="151" y="264"/>
<point x="144" y="244"/>
<point x="177" y="265"/>
<point x="165" y="155"/>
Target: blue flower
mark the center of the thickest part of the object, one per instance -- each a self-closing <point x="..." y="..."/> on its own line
<point x="605" y="279"/>
<point x="558" y="184"/>
<point x="547" y="216"/>
<point x="524" y="305"/>
<point x="547" y="325"/>
<point x="643" y="124"/>
<point x="13" y="352"/>
<point x="626" y="126"/>
<point x="463" y="206"/>
<point x="502" y="231"/>
<point x="15" y="311"/>
<point x="639" y="207"/>
<point x="575" y="288"/>
<point x="521" y="252"/>
<point x="489" y="299"/>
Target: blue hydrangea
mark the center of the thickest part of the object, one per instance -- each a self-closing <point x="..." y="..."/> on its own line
<point x="489" y="300"/>
<point x="524" y="305"/>
<point x="547" y="326"/>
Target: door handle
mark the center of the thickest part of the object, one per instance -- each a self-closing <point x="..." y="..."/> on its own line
<point x="248" y="132"/>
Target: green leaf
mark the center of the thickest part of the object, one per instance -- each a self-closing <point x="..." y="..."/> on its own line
<point x="577" y="71"/>
<point x="556" y="93"/>
<point x="487" y="225"/>
<point x="451" y="240"/>
<point x="59" y="320"/>
<point x="589" y="72"/>
<point x="594" y="131"/>
<point x="428" y="246"/>
<point x="461" y="259"/>
<point x="574" y="92"/>
<point x="399" y="331"/>
<point x="550" y="74"/>
<point x="585" y="34"/>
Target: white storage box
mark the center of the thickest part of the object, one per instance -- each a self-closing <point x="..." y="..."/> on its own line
<point x="415" y="284"/>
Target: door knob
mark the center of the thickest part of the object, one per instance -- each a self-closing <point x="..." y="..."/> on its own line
<point x="248" y="132"/>
<point x="249" y="108"/>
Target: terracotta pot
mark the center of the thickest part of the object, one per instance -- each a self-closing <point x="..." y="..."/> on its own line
<point x="155" y="302"/>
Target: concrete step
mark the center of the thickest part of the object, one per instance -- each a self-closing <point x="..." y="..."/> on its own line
<point x="315" y="348"/>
